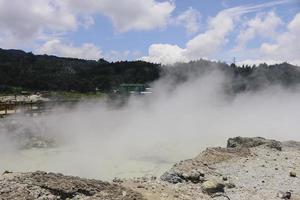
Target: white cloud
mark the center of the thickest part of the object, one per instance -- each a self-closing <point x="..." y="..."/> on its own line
<point x="190" y="19"/>
<point x="165" y="53"/>
<point x="85" y="51"/>
<point x="25" y="20"/>
<point x="287" y="45"/>
<point x="29" y="20"/>
<point x="128" y="15"/>
<point x="210" y="42"/>
<point x="114" y="55"/>
<point x="264" y="25"/>
<point x="56" y="47"/>
<point x="203" y="45"/>
<point x="25" y="24"/>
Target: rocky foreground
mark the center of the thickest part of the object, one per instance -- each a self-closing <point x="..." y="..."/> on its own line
<point x="248" y="169"/>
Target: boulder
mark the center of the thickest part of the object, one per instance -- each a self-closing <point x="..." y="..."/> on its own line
<point x="193" y="176"/>
<point x="245" y="142"/>
<point x="171" y="177"/>
<point x="174" y="177"/>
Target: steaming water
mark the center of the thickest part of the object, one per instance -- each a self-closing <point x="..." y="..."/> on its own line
<point x="55" y="160"/>
<point x="147" y="136"/>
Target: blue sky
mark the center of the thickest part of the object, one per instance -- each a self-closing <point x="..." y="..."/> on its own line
<point x="162" y="31"/>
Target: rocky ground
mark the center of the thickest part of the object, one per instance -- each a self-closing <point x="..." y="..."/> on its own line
<point x="248" y="169"/>
<point x="51" y="186"/>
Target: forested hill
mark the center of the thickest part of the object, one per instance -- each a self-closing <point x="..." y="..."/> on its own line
<point x="42" y="72"/>
<point x="238" y="78"/>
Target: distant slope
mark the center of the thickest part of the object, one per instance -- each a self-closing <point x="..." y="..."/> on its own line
<point x="43" y="72"/>
<point x="239" y="79"/>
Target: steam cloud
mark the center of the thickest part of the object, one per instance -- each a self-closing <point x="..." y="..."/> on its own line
<point x="150" y="133"/>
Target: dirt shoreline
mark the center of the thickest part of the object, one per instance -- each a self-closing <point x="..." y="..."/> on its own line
<point x="249" y="168"/>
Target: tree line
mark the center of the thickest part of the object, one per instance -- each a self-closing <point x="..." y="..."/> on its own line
<point x="237" y="78"/>
<point x="27" y="71"/>
<point x="43" y="72"/>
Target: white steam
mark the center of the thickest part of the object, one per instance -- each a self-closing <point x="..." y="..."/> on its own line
<point x="151" y="133"/>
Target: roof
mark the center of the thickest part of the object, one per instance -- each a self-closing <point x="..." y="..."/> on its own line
<point x="132" y="85"/>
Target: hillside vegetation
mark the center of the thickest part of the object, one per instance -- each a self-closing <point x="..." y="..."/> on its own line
<point x="21" y="70"/>
<point x="42" y="72"/>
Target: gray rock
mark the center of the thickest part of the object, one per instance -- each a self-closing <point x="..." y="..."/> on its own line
<point x="293" y="174"/>
<point x="229" y="185"/>
<point x="211" y="187"/>
<point x="244" y="142"/>
<point x="174" y="177"/>
<point x="291" y="144"/>
<point x="42" y="185"/>
<point x="171" y="177"/>
<point x="194" y="176"/>
<point x="286" y="195"/>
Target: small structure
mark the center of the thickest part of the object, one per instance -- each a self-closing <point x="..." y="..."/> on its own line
<point x="132" y="88"/>
<point x="127" y="89"/>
